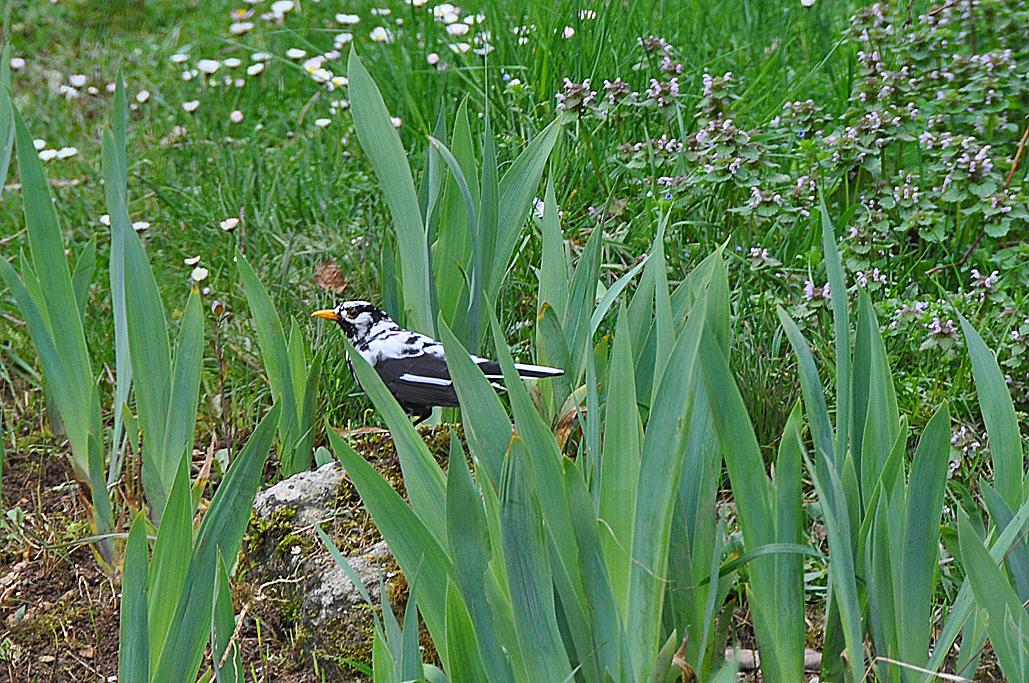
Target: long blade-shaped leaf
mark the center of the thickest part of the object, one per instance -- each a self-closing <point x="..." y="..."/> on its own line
<point x="528" y="568"/>
<point x="381" y="142"/>
<point x="413" y="544"/>
<point x="133" y="643"/>
<point x="116" y="190"/>
<point x="999" y="416"/>
<point x="468" y="537"/>
<point x="517" y="188"/>
<point x="994" y="594"/>
<point x="272" y="341"/>
<point x="620" y="464"/>
<point x="423" y="477"/>
<point x="921" y="536"/>
<point x="220" y="532"/>
<point x="487" y="426"/>
<point x="663" y="450"/>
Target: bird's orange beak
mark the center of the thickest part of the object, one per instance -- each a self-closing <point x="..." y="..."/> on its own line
<point x="326" y="313"/>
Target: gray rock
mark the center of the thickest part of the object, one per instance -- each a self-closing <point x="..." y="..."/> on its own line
<point x="301" y="590"/>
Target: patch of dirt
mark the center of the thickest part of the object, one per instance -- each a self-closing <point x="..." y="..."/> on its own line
<point x="58" y="610"/>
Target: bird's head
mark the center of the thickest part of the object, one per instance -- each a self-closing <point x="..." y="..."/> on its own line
<point x="355" y="317"/>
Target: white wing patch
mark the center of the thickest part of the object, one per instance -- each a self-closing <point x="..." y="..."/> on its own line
<point x="422" y="379"/>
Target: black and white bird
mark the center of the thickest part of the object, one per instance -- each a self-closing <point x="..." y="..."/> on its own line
<point x="412" y="366"/>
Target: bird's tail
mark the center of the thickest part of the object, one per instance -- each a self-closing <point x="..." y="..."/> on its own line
<point x="526" y="370"/>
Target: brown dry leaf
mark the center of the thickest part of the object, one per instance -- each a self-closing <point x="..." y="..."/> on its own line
<point x="566" y="425"/>
<point x="329" y="277"/>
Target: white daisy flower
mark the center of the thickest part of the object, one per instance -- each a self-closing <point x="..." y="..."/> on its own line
<point x="340" y="81"/>
<point x="68" y="91"/>
<point x="260" y="57"/>
<point x="191" y="261"/>
<point x="229" y="224"/>
<point x="142" y="96"/>
<point x="458" y="29"/>
<point x="66" y="152"/>
<point x="178" y="58"/>
<point x="322" y="123"/>
<point x="347" y="19"/>
<point x="231" y="62"/>
<point x="199" y="274"/>
<point x="92" y="90"/>
<point x="381" y="34"/>
<point x="236" y="116"/>
<point x="296" y="53"/>
<point x="191" y="106"/>
<point x="240" y="27"/>
<point x="418" y="3"/>
<point x="17" y="63"/>
<point x="39" y="144"/>
<point x="587" y="14"/>
<point x="48" y="154"/>
<point x="568" y="32"/>
<point x="208" y="66"/>
<point x="432" y="58"/>
<point x="189" y="75"/>
<point x="77" y="80"/>
<point x="807" y="3"/>
<point x="441" y="9"/>
<point x="459" y="48"/>
<point x="450" y="17"/>
<point x="105" y="220"/>
<point x="111" y="87"/>
<point x="342" y="39"/>
<point x="140" y="226"/>
<point x="396" y="121"/>
<point x="255" y="69"/>
<point x="280" y="7"/>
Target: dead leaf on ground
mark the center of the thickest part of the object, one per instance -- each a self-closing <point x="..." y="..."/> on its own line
<point x="329" y="277"/>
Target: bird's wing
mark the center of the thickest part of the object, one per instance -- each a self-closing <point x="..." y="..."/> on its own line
<point x="418" y="380"/>
<point x="492" y="369"/>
